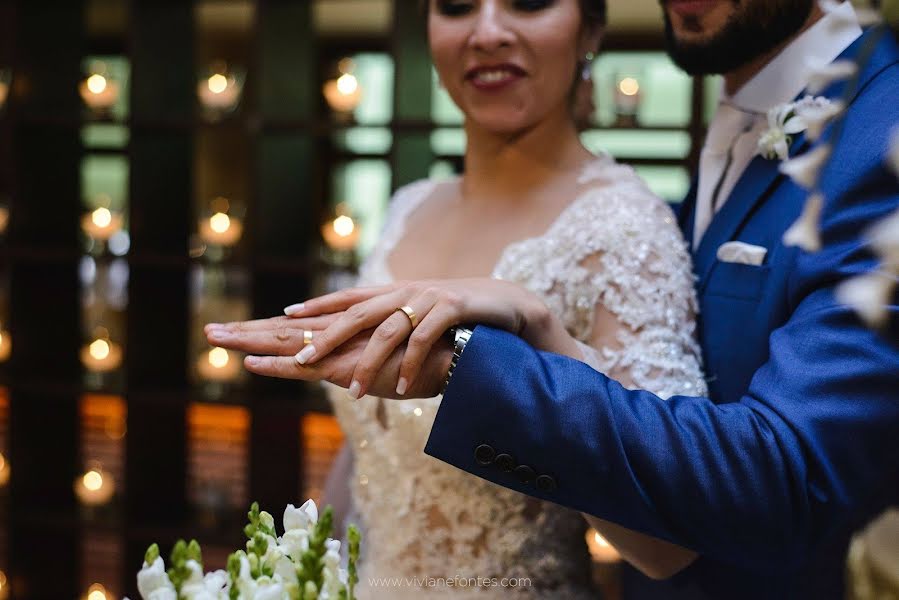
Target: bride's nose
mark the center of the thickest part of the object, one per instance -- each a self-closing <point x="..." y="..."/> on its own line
<point x="491" y="31"/>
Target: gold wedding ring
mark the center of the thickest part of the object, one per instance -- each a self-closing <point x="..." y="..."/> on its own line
<point x="307" y="337"/>
<point x="413" y="318"/>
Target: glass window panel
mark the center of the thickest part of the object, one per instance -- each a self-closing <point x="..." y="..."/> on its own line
<point x="375" y="73"/>
<point x="363" y="187"/>
<point x="117" y="71"/>
<point x="664" y="90"/>
<point x="103" y="135"/>
<point x="634" y="143"/>
<point x="104" y="181"/>
<point x="364" y="140"/>
<point x="218" y="442"/>
<point x="443" y="110"/>
<point x="712" y="91"/>
<point x="441" y="170"/>
<point x="670" y="183"/>
<point x="448" y="142"/>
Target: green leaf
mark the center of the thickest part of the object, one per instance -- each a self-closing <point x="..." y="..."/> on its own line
<point x="151" y="554"/>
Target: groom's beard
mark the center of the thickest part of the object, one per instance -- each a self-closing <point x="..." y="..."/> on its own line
<point x="755" y="28"/>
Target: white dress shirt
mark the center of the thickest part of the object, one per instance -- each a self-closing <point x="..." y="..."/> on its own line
<point x="741" y="119"/>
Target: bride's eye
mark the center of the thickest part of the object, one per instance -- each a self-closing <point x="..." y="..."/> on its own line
<point x="533" y="5"/>
<point x="453" y="8"/>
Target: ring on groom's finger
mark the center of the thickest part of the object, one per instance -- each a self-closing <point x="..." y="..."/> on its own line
<point x="307" y="337"/>
<point x="413" y="318"/>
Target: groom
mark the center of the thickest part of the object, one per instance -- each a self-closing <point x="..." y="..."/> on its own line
<point x="797" y="444"/>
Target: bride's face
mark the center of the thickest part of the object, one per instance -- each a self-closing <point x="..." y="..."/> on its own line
<point x="508" y="64"/>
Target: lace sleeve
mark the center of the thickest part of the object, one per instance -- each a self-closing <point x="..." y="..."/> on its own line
<point x="642" y="330"/>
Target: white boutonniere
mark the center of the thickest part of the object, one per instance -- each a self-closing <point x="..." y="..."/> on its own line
<point x="808" y="114"/>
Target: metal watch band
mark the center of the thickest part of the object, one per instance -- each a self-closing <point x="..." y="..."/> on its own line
<point x="460" y="336"/>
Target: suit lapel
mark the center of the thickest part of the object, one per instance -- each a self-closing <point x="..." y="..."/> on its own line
<point x="754" y="186"/>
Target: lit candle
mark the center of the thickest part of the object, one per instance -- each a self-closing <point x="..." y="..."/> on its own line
<point x="218" y="365"/>
<point x="96" y="591"/>
<point x="4" y="470"/>
<point x="627" y="95"/>
<point x="5" y="345"/>
<point x="343" y="94"/>
<point x="219" y="91"/>
<point x="101" y="355"/>
<point x="101" y="224"/>
<point x="99" y="92"/>
<point x="601" y="550"/>
<point x="341" y="234"/>
<point x="95" y="487"/>
<point x="221" y="230"/>
<point x="4" y="586"/>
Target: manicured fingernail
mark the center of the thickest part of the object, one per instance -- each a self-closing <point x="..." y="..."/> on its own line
<point x="220" y="334"/>
<point x="401" y="386"/>
<point x="305" y="354"/>
<point x="213" y="326"/>
<point x="355" y="390"/>
<point x="252" y="361"/>
<point x="293" y="309"/>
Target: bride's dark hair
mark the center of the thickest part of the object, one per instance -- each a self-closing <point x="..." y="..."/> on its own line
<point x="592" y="11"/>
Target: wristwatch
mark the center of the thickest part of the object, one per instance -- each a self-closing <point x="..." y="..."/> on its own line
<point x="460" y="337"/>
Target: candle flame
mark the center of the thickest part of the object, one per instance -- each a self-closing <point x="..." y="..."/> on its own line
<point x="218" y="83"/>
<point x="96" y="83"/>
<point x="101" y="217"/>
<point x="347" y="84"/>
<point x="629" y="86"/>
<point x="99" y="349"/>
<point x="96" y="592"/>
<point x="601" y="540"/>
<point x="218" y="358"/>
<point x="220" y="222"/>
<point x="92" y="480"/>
<point x="344" y="226"/>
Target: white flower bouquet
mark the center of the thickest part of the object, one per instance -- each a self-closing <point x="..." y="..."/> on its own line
<point x="301" y="564"/>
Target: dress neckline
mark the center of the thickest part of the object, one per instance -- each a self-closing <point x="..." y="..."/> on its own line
<point x="591" y="170"/>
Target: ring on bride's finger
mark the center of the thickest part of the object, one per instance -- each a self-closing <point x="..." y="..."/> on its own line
<point x="413" y="318"/>
<point x="307" y="337"/>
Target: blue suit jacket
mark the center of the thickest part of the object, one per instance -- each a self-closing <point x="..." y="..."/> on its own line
<point x="798" y="442"/>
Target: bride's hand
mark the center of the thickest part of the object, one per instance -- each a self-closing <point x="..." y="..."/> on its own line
<point x="273" y="343"/>
<point x="437" y="305"/>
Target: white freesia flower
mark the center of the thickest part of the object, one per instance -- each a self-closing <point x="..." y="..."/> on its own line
<point x="816" y="113"/>
<point x="869" y="295"/>
<point x="894" y="152"/>
<point x="153" y="578"/>
<point x="285" y="569"/>
<point x="805" y="168"/>
<point x="267" y="520"/>
<point x="162" y="594"/>
<point x="821" y="76"/>
<point x="804" y="232"/>
<point x="269" y="589"/>
<point x="782" y="123"/>
<point x="294" y="543"/>
<point x="214" y="586"/>
<point x="884" y="238"/>
<point x="300" y="518"/>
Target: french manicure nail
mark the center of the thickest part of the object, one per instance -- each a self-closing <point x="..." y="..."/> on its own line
<point x="293" y="309"/>
<point x="401" y="386"/>
<point x="305" y="354"/>
<point x="213" y="326"/>
<point x="220" y="334"/>
<point x="252" y="361"/>
<point x="355" y="390"/>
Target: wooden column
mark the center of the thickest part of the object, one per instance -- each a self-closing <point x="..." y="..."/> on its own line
<point x="284" y="218"/>
<point x="412" y="155"/>
<point x="45" y="317"/>
<point x="161" y="154"/>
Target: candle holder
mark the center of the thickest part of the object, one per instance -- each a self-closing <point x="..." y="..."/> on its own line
<point x="99" y="90"/>
<point x="221" y="225"/>
<point x="627" y="96"/>
<point x="220" y="90"/>
<point x="343" y="93"/>
<point x="101" y="355"/>
<point x="95" y="487"/>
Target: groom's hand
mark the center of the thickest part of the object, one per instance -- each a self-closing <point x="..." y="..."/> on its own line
<point x="281" y="338"/>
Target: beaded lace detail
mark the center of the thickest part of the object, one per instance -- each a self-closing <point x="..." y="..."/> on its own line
<point x="617" y="245"/>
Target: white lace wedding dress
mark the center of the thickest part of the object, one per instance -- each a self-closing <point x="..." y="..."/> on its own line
<point x="616" y="245"/>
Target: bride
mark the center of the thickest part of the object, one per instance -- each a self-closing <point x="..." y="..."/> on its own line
<point x="541" y="223"/>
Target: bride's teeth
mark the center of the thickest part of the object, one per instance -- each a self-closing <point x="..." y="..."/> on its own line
<point x="493" y="76"/>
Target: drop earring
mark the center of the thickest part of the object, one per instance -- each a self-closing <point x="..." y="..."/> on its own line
<point x="587" y="69"/>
